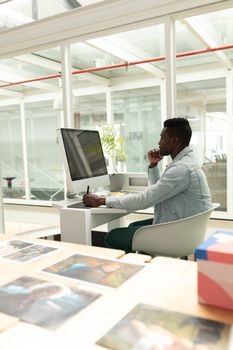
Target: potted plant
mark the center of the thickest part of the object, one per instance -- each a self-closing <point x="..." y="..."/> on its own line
<point x="113" y="146"/>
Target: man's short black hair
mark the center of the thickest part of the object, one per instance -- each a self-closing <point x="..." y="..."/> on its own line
<point x="180" y="128"/>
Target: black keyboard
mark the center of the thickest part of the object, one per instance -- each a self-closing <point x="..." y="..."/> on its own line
<point x="79" y="205"/>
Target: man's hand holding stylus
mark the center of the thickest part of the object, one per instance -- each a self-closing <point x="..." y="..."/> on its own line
<point x="92" y="200"/>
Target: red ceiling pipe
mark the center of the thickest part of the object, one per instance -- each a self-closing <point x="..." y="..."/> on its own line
<point x="31" y="80"/>
<point x="210" y="49"/>
<point x="119" y="65"/>
<point x="122" y="65"/>
<point x="161" y="58"/>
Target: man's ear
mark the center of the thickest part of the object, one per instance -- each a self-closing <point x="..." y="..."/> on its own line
<point x="174" y="140"/>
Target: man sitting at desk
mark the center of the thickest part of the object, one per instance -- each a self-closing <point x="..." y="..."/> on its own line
<point x="180" y="192"/>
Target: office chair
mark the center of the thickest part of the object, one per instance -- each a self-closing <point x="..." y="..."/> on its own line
<point x="174" y="239"/>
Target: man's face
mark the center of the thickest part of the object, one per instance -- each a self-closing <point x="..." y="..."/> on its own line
<point x="165" y="143"/>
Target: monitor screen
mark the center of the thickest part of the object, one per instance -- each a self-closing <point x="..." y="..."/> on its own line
<point x="84" y="158"/>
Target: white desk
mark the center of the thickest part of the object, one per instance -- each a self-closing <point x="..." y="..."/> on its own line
<point x="76" y="223"/>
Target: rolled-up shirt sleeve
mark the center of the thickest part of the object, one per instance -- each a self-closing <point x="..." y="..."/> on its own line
<point x="174" y="180"/>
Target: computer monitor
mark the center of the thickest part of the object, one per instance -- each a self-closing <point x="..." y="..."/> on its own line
<point x="83" y="159"/>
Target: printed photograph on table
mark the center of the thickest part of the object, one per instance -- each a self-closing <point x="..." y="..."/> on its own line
<point x="43" y="303"/>
<point x="30" y="253"/>
<point x="110" y="273"/>
<point x="12" y="246"/>
<point x="150" y="328"/>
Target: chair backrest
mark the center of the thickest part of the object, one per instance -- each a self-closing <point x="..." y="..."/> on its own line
<point x="176" y="238"/>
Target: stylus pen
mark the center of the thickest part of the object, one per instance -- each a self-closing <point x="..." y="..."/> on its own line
<point x="87" y="189"/>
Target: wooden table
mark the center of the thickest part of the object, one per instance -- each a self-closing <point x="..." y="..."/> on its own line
<point x="165" y="282"/>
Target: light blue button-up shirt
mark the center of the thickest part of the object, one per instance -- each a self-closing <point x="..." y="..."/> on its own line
<point x="181" y="191"/>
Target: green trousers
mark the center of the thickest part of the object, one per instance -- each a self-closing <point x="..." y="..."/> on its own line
<point x="121" y="238"/>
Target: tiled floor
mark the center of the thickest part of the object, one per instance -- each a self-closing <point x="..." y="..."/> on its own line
<point x="19" y="227"/>
<point x="219" y="225"/>
<point x="32" y="230"/>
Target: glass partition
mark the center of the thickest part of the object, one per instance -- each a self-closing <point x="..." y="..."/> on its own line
<point x="11" y="152"/>
<point x="29" y="116"/>
<point x="44" y="159"/>
<point x="90" y="111"/>
<point x="137" y="117"/>
<point x="204" y="104"/>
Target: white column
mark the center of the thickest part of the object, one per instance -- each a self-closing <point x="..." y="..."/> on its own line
<point x="34" y="10"/>
<point x="163" y="108"/>
<point x="67" y="87"/>
<point x="229" y="109"/>
<point x="2" y="221"/>
<point x="109" y="107"/>
<point x="67" y="97"/>
<point x="111" y="168"/>
<point x="203" y="132"/>
<point x="25" y="155"/>
<point x="65" y="185"/>
<point x="170" y="54"/>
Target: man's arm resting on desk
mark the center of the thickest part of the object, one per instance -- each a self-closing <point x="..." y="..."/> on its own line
<point x="93" y="200"/>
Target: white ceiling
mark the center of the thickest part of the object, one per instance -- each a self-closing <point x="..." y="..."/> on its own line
<point x="16" y="12"/>
<point x="199" y="32"/>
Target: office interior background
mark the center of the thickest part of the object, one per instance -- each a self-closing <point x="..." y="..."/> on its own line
<point x="129" y="64"/>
